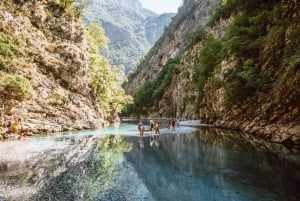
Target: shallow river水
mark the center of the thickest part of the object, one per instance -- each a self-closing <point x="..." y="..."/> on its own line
<point x="187" y="164"/>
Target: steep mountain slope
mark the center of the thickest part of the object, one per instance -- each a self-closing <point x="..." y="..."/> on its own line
<point x="155" y="26"/>
<point x="241" y="71"/>
<point x="132" y="30"/>
<point x="192" y="14"/>
<point x="44" y="69"/>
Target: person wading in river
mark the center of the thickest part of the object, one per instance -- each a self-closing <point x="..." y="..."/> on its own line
<point x="156" y="127"/>
<point x="151" y="126"/>
<point x="173" y="124"/>
<point x="141" y="128"/>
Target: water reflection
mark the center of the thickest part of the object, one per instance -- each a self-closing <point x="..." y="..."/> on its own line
<point x="84" y="167"/>
<point x="154" y="141"/>
<point x="214" y="164"/>
<point x="210" y="164"/>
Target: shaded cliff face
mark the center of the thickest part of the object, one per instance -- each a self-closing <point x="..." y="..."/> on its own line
<point x="254" y="88"/>
<point x="191" y="15"/>
<point x="155" y="26"/>
<point x="131" y="29"/>
<point x="50" y="52"/>
<point x="265" y="99"/>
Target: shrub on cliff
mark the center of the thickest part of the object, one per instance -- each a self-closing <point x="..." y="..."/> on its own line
<point x="210" y="57"/>
<point x="241" y="82"/>
<point x="192" y="38"/>
<point x="7" y="50"/>
<point x="72" y="7"/>
<point x="7" y="47"/>
<point x="15" y="86"/>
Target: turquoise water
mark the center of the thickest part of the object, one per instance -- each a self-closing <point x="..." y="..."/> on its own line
<point x="115" y="164"/>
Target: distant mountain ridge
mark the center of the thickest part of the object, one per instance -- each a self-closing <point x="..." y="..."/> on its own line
<point x="132" y="29"/>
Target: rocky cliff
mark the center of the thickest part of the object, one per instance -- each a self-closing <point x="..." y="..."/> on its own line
<point x="241" y="71"/>
<point x="44" y="69"/>
<point x="191" y="14"/>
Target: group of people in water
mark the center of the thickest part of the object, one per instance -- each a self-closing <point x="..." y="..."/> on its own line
<point x="155" y="125"/>
<point x="154" y="129"/>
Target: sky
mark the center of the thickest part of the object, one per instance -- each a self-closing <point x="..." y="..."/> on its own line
<point x="162" y="6"/>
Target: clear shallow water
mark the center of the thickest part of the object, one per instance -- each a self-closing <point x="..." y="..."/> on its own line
<point x="207" y="164"/>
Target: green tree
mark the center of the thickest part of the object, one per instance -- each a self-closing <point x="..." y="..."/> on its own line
<point x="105" y="81"/>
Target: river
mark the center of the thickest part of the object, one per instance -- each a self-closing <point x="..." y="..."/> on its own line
<point x="188" y="164"/>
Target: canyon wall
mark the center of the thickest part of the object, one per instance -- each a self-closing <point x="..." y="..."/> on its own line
<point x="44" y="69"/>
<point x="271" y="106"/>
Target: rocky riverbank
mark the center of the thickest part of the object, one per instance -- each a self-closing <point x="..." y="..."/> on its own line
<point x="44" y="72"/>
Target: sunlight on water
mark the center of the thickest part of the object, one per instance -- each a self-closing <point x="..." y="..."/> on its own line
<point x="25" y="149"/>
<point x="186" y="165"/>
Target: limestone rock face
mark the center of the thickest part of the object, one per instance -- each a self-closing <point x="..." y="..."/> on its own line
<point x="262" y="117"/>
<point x="260" y="114"/>
<point x="190" y="16"/>
<point x="52" y="54"/>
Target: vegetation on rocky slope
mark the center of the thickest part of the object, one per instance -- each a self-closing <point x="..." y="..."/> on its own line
<point x="51" y="73"/>
<point x="264" y="45"/>
<point x="131" y="29"/>
<point x="15" y="86"/>
<point x="11" y="84"/>
<point x="153" y="90"/>
<point x="255" y="62"/>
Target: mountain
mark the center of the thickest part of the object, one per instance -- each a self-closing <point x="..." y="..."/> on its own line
<point x="237" y="68"/>
<point x="131" y="29"/>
